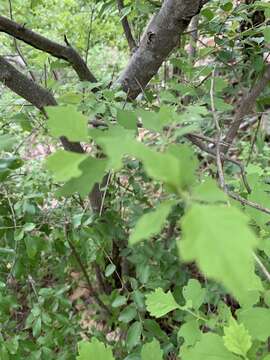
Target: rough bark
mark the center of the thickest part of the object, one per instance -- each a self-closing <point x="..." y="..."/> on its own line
<point x="159" y="39"/>
<point x="40" y="42"/>
<point x="32" y="92"/>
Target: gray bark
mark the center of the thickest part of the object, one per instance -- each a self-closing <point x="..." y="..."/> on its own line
<point x="160" y="38"/>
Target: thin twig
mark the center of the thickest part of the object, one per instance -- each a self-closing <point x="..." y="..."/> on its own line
<point x="126" y="27"/>
<point x="252" y="204"/>
<point x="261" y="266"/>
<point x="86" y="276"/>
<point x="254" y="140"/>
<point x="104" y="193"/>
<point x="219" y="134"/>
<point x="17" y="46"/>
<point x="89" y="33"/>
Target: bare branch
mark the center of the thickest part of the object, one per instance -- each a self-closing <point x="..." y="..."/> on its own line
<point x="127" y="30"/>
<point x="23" y="86"/>
<point x="40" y="42"/>
<point x="246" y="106"/>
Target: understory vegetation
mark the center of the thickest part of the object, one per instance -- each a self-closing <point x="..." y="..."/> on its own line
<point x="135" y="180"/>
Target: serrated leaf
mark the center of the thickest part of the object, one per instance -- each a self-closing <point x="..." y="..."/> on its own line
<point x="94" y="350"/>
<point x="119" y="301"/>
<point x="208" y="191"/>
<point x="117" y="142"/>
<point x="92" y="171"/>
<point x="195" y="293"/>
<point x="128" y="314"/>
<point x="191" y="333"/>
<point x="256" y="320"/>
<point x="65" y="164"/>
<point x="134" y="335"/>
<point x="67" y="121"/>
<point x="236" y="338"/>
<point x="159" y="303"/>
<point x="210" y="347"/>
<point x="152" y="351"/>
<point x="218" y="238"/>
<point x="151" y="223"/>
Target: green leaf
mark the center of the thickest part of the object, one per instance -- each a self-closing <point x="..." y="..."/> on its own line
<point x="195" y="293"/>
<point x="191" y="333"/>
<point x="267" y="298"/>
<point x="119" y="301"/>
<point x="110" y="269"/>
<point x="218" y="238"/>
<point x="7" y="142"/>
<point x="153" y="327"/>
<point x="127" y="119"/>
<point x="65" y="164"/>
<point x="151" y="223"/>
<point x="256" y="320"/>
<point x="266" y="34"/>
<point x="117" y="142"/>
<point x="152" y="351"/>
<point x="228" y="6"/>
<point x="134" y="335"/>
<point x="236" y="338"/>
<point x="92" y="171"/>
<point x="159" y="303"/>
<point x="187" y="163"/>
<point x="128" y="314"/>
<point x="94" y="350"/>
<point x="210" y="347"/>
<point x="67" y="121"/>
<point x="208" y="191"/>
<point x="261" y="197"/>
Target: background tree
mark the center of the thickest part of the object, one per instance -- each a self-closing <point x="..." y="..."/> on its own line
<point x="135" y="106"/>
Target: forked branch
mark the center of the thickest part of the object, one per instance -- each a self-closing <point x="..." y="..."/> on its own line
<point x="67" y="53"/>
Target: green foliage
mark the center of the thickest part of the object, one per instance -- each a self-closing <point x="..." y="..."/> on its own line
<point x="210" y="232"/>
<point x="256" y="321"/>
<point x="210" y="347"/>
<point x="94" y="350"/>
<point x="151" y="223"/>
<point x="66" y="121"/>
<point x="65" y="165"/>
<point x="236" y="338"/>
<point x="159" y="303"/>
<point x="152" y="351"/>
<point x="69" y="273"/>
<point x="194" y="294"/>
